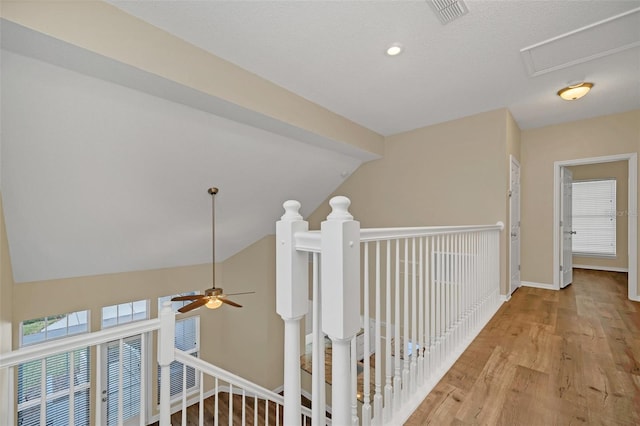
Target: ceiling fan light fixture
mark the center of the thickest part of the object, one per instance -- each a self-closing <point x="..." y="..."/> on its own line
<point x="213" y="303"/>
<point x="575" y="91"/>
<point x="213" y="297"/>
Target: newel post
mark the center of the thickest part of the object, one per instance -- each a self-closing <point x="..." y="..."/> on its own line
<point x="341" y="300"/>
<point x="166" y="355"/>
<point x="292" y="294"/>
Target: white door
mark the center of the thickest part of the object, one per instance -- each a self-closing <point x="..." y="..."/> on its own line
<point x="566" y="228"/>
<point x="131" y="356"/>
<point x="514" y="220"/>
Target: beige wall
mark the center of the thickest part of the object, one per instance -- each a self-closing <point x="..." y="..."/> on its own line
<point x="452" y="173"/>
<point x="619" y="171"/>
<point x="252" y="338"/>
<point x="601" y="136"/>
<point x="6" y="312"/>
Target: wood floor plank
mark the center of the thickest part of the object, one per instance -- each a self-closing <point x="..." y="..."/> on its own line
<point x="495" y="381"/>
<point x="569" y="357"/>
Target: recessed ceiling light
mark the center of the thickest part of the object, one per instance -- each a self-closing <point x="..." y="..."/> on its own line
<point x="575" y="91"/>
<point x="394" y="49"/>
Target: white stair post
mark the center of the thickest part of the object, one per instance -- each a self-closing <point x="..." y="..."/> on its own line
<point x="341" y="299"/>
<point x="166" y="355"/>
<point x="292" y="294"/>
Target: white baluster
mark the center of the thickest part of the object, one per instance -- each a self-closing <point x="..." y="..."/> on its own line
<point x="388" y="388"/>
<point x="397" y="377"/>
<point x="216" y="407"/>
<point x="340" y="298"/>
<point x="143" y="379"/>
<point x="230" y="413"/>
<point x="420" y="342"/>
<point x="184" y="394"/>
<point x="255" y="409"/>
<point x="366" y="383"/>
<point x="292" y="294"/>
<point x="405" y="325"/>
<point x="377" y="398"/>
<point x="432" y="306"/>
<point x="166" y="343"/>
<point x="354" y="384"/>
<point x="414" y="320"/>
<point x="318" y="350"/>
<point x="200" y="399"/>
<point x="447" y="295"/>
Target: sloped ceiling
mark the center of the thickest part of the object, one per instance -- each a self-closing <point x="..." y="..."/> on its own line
<point x="99" y="178"/>
<point x="100" y="174"/>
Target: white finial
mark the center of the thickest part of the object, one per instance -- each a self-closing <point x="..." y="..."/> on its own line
<point x="340" y="208"/>
<point x="291" y="210"/>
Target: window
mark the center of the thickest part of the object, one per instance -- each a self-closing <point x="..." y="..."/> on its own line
<point x="125" y="312"/>
<point x="55" y="326"/>
<point x="175" y="305"/>
<point x="594" y="217"/>
<point x="62" y="379"/>
<point x="187" y="339"/>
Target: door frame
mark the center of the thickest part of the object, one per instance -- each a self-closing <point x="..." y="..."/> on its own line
<point x="513" y="160"/>
<point x="632" y="216"/>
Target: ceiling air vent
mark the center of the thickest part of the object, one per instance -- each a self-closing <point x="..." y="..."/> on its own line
<point x="448" y="10"/>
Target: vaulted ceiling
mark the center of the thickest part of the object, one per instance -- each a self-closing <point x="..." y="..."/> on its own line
<point x="105" y="168"/>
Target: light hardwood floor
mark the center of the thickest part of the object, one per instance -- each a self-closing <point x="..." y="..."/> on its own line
<point x="569" y="357"/>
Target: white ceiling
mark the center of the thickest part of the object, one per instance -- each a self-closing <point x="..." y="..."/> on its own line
<point x="105" y="169"/>
<point x="100" y="178"/>
<point x="332" y="53"/>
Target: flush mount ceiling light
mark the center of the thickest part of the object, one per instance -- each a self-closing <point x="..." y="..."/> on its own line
<point x="395" y="49"/>
<point x="575" y="91"/>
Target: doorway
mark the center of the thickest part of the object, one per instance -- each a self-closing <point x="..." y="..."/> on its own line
<point x="558" y="231"/>
<point x="122" y="368"/>
<point x="514" y="224"/>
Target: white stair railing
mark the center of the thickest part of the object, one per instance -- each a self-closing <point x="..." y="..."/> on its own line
<point x="255" y="406"/>
<point x="37" y="357"/>
<point x="246" y="402"/>
<point x="426" y="293"/>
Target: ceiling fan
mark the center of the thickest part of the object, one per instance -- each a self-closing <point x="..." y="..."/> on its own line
<point x="213" y="297"/>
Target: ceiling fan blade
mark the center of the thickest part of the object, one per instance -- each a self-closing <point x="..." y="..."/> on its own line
<point x="229" y="302"/>
<point x="190" y="297"/>
<point x="193" y="305"/>
<point x="244" y="292"/>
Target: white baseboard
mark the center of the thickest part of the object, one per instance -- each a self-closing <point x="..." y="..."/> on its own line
<point x="537" y="285"/>
<point x="505" y="297"/>
<point x="602" y="268"/>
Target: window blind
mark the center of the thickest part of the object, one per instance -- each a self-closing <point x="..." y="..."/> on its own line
<point x="131" y="378"/>
<point x="594" y="217"/>
<point x="59" y="376"/>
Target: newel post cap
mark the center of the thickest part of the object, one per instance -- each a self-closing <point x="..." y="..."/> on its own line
<point x="340" y="208"/>
<point x="291" y="210"/>
<point x="501" y="225"/>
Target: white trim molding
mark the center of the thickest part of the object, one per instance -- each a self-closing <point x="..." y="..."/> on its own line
<point x="538" y="285"/>
<point x="632" y="215"/>
<point x="602" y="268"/>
